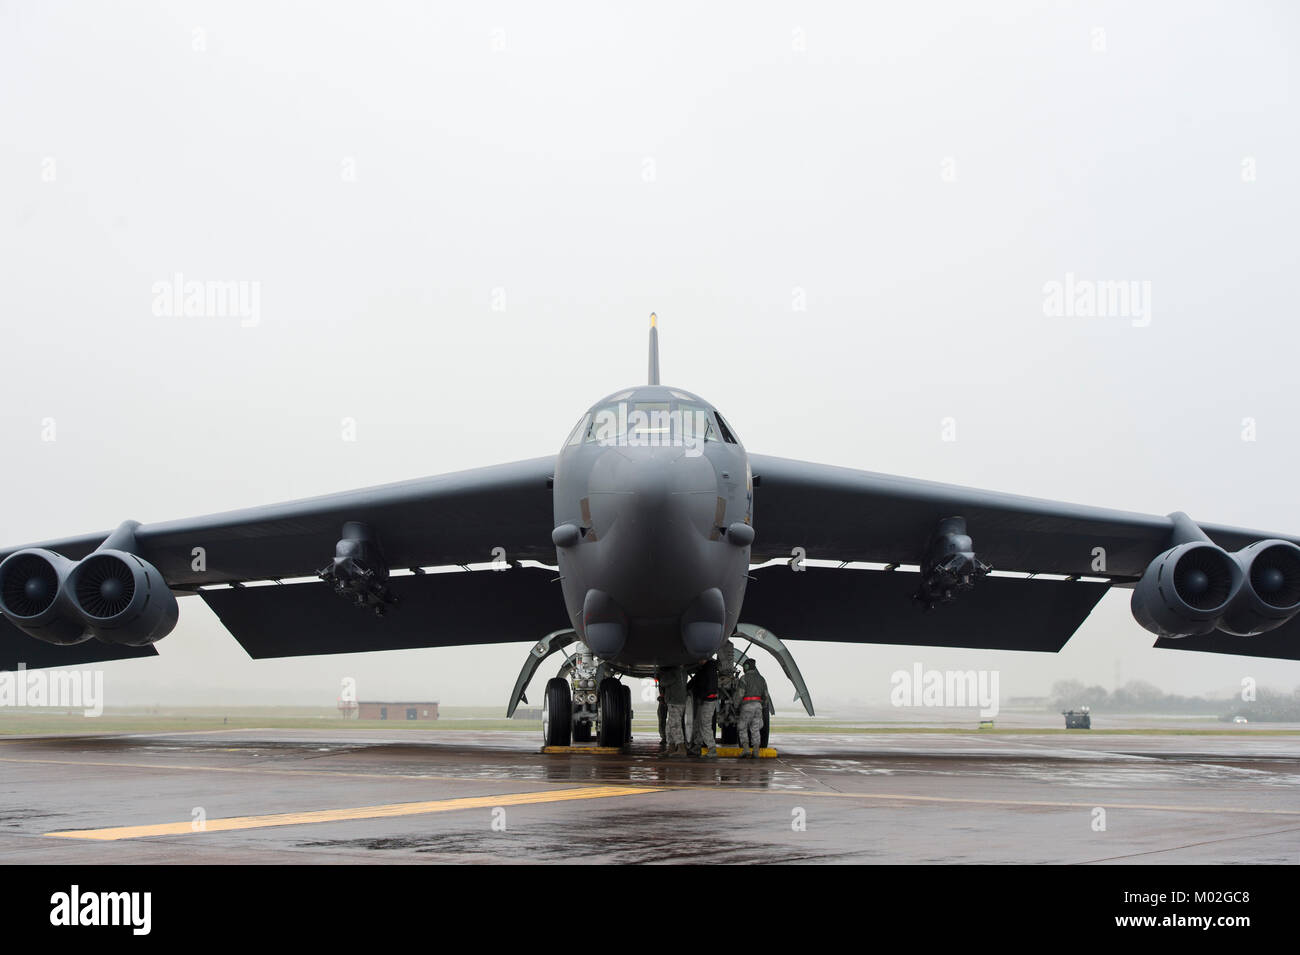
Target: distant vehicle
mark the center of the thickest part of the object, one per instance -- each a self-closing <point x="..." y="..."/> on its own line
<point x="1078" y="719"/>
<point x="1240" y="719"/>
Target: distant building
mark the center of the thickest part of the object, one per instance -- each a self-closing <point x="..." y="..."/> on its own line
<point x="397" y="711"/>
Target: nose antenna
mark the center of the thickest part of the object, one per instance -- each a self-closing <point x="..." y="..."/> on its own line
<point x="654" y="349"/>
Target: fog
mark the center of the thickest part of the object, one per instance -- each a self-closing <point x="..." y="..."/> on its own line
<point x="457" y="218"/>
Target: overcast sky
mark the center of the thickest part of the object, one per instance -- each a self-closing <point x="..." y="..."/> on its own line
<point x="457" y="218"/>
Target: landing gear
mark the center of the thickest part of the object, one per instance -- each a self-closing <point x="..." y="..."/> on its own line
<point x="557" y="713"/>
<point x="615" y="709"/>
<point x="627" y="709"/>
<point x="731" y="736"/>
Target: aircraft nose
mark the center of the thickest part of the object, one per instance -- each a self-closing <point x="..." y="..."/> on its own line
<point x="645" y="491"/>
<point x="649" y="483"/>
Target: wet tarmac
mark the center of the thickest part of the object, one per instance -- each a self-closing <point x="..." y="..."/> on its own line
<point x="366" y="796"/>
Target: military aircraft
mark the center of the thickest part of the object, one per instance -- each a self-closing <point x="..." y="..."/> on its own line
<point x="668" y="540"/>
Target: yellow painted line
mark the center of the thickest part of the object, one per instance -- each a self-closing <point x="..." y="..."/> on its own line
<point x="342" y="815"/>
<point x="675" y="785"/>
<point x="726" y="752"/>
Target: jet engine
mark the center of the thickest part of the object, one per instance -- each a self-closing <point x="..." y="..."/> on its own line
<point x="1270" y="591"/>
<point x="110" y="594"/>
<point x="122" y="598"/>
<point x="33" y="597"/>
<point x="1187" y="589"/>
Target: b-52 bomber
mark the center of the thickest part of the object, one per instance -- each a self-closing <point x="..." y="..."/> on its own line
<point x="653" y="539"/>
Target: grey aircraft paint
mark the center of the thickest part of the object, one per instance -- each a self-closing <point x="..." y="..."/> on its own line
<point x="653" y="511"/>
<point x="653" y="528"/>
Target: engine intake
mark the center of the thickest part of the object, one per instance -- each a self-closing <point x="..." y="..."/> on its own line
<point x="1186" y="590"/>
<point x="1270" y="595"/>
<point x="33" y="597"/>
<point x="122" y="598"/>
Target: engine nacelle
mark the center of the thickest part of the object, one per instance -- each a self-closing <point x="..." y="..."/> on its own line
<point x="1187" y="590"/>
<point x="1270" y="591"/>
<point x="122" y="598"/>
<point x="33" y="597"/>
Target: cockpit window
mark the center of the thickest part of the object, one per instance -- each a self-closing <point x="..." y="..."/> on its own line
<point x="727" y="434"/>
<point x="579" y="430"/>
<point x="649" y="424"/>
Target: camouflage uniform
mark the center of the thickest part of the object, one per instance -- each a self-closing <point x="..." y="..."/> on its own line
<point x="749" y="722"/>
<point x="704" y="695"/>
<point x="673" y="682"/>
<point x="703" y="736"/>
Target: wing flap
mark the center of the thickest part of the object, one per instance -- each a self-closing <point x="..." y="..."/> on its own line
<point x="875" y="606"/>
<point x="433" y="610"/>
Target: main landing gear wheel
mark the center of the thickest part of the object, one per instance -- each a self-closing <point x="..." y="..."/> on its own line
<point x="627" y="708"/>
<point x="557" y="713"/>
<point x="767" y="727"/>
<point x="613" y="713"/>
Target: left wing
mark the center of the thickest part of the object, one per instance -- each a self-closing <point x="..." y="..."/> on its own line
<point x="449" y="519"/>
<point x="475" y="516"/>
<point x="824" y="512"/>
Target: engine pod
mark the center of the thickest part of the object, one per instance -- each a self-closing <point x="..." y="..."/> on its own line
<point x="34" y="597"/>
<point x="122" y="598"/>
<point x="1186" y="590"/>
<point x="1270" y="591"/>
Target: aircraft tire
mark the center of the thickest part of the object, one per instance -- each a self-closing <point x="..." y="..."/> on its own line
<point x="557" y="713"/>
<point x="613" y="718"/>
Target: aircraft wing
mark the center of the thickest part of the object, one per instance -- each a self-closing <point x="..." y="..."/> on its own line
<point x="842" y="514"/>
<point x="449" y="519"/>
<point x="458" y="518"/>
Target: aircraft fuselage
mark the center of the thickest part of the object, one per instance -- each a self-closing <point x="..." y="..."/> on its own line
<point x="653" y="503"/>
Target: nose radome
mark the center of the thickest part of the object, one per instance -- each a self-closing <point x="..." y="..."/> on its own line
<point x="649" y="481"/>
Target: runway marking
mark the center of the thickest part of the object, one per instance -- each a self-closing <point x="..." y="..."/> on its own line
<point x="341" y="815"/>
<point x="1189" y="845"/>
<point x="681" y="787"/>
